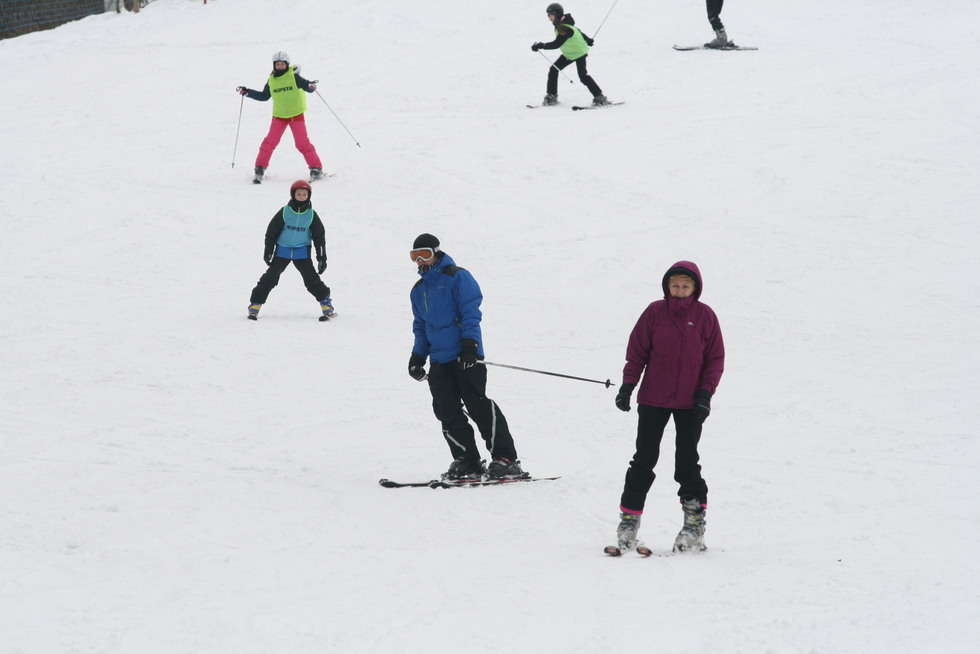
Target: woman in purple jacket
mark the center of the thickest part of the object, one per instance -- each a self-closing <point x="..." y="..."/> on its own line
<point x="678" y="341"/>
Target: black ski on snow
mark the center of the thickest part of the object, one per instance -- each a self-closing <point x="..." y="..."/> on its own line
<point x="685" y="48"/>
<point x="439" y="483"/>
<point x="597" y="106"/>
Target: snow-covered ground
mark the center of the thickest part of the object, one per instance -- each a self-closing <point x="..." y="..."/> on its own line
<point x="178" y="479"/>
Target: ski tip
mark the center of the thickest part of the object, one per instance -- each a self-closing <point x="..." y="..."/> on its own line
<point x="387" y="483"/>
<point x="643" y="551"/>
<point x="612" y="550"/>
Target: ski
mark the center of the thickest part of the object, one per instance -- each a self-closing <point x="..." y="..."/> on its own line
<point x="445" y="483"/>
<point x="686" y="48"/>
<point x="597" y="106"/>
<point x="540" y="106"/>
<point x="642" y="550"/>
<point x="387" y="483"/>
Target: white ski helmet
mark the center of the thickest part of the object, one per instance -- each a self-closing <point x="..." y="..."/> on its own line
<point x="282" y="55"/>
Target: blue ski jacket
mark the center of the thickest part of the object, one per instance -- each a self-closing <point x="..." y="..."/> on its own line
<point x="446" y="306"/>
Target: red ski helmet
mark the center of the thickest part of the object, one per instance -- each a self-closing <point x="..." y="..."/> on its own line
<point x="298" y="184"/>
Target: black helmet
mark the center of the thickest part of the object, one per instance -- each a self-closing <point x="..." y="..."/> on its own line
<point x="555" y="9"/>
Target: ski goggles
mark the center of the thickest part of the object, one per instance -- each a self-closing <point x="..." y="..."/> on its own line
<point x="423" y="255"/>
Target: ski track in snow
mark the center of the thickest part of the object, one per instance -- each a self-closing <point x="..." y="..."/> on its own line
<point x="179" y="479"/>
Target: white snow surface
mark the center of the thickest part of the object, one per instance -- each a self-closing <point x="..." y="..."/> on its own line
<point x="176" y="478"/>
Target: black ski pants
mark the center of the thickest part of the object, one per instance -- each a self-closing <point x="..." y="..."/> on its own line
<point x="450" y="386"/>
<point x="270" y="279"/>
<point x="649" y="432"/>
<point x="583" y="75"/>
<point x="714" y="13"/>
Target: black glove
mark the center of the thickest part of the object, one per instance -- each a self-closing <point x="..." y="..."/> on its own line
<point x="241" y="90"/>
<point x="702" y="405"/>
<point x="623" y="396"/>
<point x="416" y="367"/>
<point x="467" y="353"/>
<point x="321" y="265"/>
<point x="268" y="256"/>
<point x="589" y="41"/>
<point x="537" y="46"/>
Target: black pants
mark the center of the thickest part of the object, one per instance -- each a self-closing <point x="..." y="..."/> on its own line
<point x="714" y="13"/>
<point x="687" y="472"/>
<point x="451" y="385"/>
<point x="583" y="75"/>
<point x="270" y="279"/>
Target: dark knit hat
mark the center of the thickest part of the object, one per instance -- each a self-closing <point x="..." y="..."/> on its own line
<point x="426" y="241"/>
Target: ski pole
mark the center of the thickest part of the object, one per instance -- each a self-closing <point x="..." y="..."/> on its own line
<point x="606" y="383"/>
<point x="234" y="153"/>
<point x="336" y="116"/>
<point x="615" y="2"/>
<point x="557" y="68"/>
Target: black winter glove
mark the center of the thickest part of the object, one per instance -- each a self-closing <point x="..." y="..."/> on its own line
<point x="321" y="265"/>
<point x="241" y="90"/>
<point x="702" y="405"/>
<point x="268" y="256"/>
<point x="467" y="353"/>
<point x="589" y="41"/>
<point x="416" y="367"/>
<point x="537" y="46"/>
<point x="623" y="396"/>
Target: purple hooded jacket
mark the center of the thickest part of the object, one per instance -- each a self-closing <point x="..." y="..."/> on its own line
<point x="679" y="343"/>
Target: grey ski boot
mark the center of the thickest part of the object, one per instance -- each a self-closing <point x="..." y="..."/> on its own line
<point x="720" y="41"/>
<point x="629" y="525"/>
<point x="691" y="536"/>
<point x="550" y="100"/>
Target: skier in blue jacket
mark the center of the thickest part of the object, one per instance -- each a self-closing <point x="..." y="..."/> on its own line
<point x="446" y="309"/>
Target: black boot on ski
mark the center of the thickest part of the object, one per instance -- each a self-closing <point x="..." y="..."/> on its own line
<point x="599" y="100"/>
<point x="463" y="469"/>
<point x="502" y="468"/>
<point x="315" y="174"/>
<point x="691" y="536"/>
<point x="259" y="172"/>
<point x="721" y="40"/>
<point x="629" y="525"/>
<point x="550" y="99"/>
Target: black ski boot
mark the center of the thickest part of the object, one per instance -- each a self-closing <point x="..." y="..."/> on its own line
<point x="259" y="172"/>
<point x="316" y="174"/>
<point x="691" y="536"/>
<point x="502" y="468"/>
<point x="550" y="100"/>
<point x="464" y="469"/>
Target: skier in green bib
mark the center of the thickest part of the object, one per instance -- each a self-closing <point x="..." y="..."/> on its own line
<point x="574" y="46"/>
<point x="288" y="92"/>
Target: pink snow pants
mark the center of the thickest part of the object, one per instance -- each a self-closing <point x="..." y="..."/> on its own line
<point x="298" y="125"/>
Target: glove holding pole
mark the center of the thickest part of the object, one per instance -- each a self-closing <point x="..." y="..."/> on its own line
<point x="623" y="397"/>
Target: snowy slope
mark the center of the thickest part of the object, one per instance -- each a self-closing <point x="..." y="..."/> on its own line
<point x="178" y="479"/>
